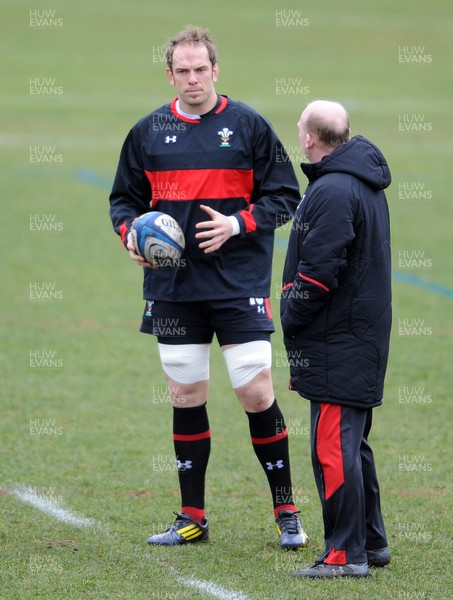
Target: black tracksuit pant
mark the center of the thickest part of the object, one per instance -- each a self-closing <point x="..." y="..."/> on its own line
<point x="345" y="475"/>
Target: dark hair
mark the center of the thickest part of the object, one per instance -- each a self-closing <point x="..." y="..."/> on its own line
<point x="192" y="35"/>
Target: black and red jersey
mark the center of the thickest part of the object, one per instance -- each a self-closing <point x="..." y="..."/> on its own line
<point x="229" y="159"/>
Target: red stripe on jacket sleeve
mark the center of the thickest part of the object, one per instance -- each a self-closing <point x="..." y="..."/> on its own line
<point x="250" y="223"/>
<point x="123" y="232"/>
<point x="318" y="283"/>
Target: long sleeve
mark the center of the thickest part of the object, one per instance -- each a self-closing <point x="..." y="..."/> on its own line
<point x="131" y="192"/>
<point x="276" y="189"/>
<point x="323" y="236"/>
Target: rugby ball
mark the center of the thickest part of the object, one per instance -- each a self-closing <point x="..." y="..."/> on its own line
<point x="158" y="238"/>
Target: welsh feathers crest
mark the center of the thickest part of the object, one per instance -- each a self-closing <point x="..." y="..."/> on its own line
<point x="225" y="135"/>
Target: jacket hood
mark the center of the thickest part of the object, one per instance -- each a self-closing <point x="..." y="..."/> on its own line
<point x="358" y="157"/>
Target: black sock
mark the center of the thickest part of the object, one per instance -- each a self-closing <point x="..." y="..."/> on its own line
<point x="192" y="442"/>
<point x="270" y="442"/>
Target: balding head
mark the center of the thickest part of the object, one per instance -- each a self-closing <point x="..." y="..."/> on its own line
<point x="323" y="126"/>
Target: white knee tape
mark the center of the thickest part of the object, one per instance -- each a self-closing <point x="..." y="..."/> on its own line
<point x="185" y="363"/>
<point x="245" y="361"/>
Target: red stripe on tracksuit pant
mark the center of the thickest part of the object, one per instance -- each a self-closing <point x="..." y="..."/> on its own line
<point x="345" y="476"/>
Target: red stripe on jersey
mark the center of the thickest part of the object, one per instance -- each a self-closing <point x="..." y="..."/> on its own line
<point x="328" y="448"/>
<point x="201" y="184"/>
<point x="318" y="283"/>
<point x="267" y="304"/>
<point x="123" y="231"/>
<point x="271" y="439"/>
<point x="179" y="437"/>
<point x="250" y="223"/>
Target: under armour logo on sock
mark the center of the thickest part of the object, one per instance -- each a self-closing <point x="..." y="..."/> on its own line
<point x="278" y="465"/>
<point x="182" y="466"/>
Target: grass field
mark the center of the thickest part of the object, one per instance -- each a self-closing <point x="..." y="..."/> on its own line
<point x="86" y="419"/>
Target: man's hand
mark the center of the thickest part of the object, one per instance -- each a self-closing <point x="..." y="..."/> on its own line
<point x="218" y="231"/>
<point x="133" y="254"/>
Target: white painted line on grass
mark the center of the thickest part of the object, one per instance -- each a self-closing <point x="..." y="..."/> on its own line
<point x="52" y="507"/>
<point x="212" y="589"/>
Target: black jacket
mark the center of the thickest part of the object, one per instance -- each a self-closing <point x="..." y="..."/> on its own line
<point x="336" y="298"/>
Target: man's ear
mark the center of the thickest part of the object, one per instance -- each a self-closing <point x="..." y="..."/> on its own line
<point x="215" y="72"/>
<point x="170" y="77"/>
<point x="309" y="140"/>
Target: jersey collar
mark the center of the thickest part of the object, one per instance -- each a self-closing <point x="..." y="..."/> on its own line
<point x="218" y="108"/>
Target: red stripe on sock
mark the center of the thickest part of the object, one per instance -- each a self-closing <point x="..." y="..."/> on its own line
<point x="197" y="514"/>
<point x="291" y="507"/>
<point x="179" y="437"/>
<point x="271" y="439"/>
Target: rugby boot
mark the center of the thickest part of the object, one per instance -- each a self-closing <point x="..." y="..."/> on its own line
<point x="378" y="558"/>
<point x="290" y="530"/>
<point x="183" y="531"/>
<point x="325" y="571"/>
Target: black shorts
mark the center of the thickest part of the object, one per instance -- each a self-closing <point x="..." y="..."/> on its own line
<point x="233" y="321"/>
